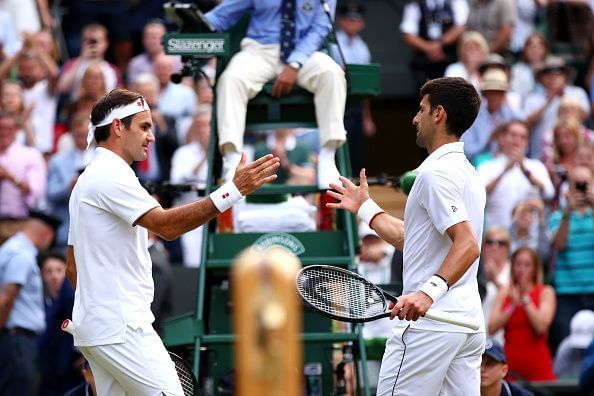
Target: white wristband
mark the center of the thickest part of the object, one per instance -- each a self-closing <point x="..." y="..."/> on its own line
<point x="225" y="196"/>
<point x="435" y="288"/>
<point x="368" y="210"/>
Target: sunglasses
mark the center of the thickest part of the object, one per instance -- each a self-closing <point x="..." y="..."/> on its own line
<point x="499" y="242"/>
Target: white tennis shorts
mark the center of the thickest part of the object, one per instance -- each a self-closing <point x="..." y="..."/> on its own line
<point x="141" y="366"/>
<point x="430" y="363"/>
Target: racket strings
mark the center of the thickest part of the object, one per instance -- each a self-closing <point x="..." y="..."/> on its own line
<point x="186" y="377"/>
<point x="340" y="294"/>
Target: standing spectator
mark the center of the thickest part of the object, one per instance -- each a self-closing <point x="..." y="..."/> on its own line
<point x="493" y="371"/>
<point x="569" y="358"/>
<point x="152" y="42"/>
<point x="529" y="228"/>
<point x="535" y="51"/>
<point x="472" y="51"/>
<point x="12" y="102"/>
<point x="22" y="316"/>
<point x="64" y="169"/>
<point x="190" y="165"/>
<point x="525" y="310"/>
<point x="357" y="117"/>
<point x="495" y="20"/>
<point x="94" y="45"/>
<point x="511" y="177"/>
<point x="541" y="106"/>
<point x="494" y="111"/>
<point x="22" y="178"/>
<point x="432" y="30"/>
<point x="524" y="25"/>
<point x="573" y="236"/>
<point x="496" y="267"/>
<point x="56" y="347"/>
<point x="8" y="35"/>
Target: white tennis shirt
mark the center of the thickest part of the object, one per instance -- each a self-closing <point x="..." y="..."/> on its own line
<point x="446" y="191"/>
<point x="114" y="279"/>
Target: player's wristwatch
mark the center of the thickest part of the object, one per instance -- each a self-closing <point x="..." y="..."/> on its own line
<point x="295" y="65"/>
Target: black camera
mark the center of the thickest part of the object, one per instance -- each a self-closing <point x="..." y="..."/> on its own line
<point x="581" y="186"/>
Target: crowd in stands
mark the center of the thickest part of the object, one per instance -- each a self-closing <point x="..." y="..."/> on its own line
<point x="531" y="144"/>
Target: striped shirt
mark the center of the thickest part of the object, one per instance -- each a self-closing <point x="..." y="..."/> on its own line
<point x="574" y="272"/>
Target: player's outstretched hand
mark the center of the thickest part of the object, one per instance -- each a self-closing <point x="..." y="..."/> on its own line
<point x="350" y="197"/>
<point x="249" y="177"/>
<point x="411" y="306"/>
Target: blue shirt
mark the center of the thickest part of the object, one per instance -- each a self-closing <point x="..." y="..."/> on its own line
<point x="312" y="27"/>
<point x="575" y="264"/>
<point x="18" y="265"/>
<point x="354" y="49"/>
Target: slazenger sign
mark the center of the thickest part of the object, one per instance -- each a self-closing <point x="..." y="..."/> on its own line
<point x="195" y="46"/>
<point x="283" y="240"/>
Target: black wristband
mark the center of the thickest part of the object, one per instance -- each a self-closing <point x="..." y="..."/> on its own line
<point x="443" y="279"/>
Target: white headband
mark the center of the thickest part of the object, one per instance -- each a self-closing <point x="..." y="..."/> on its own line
<point x="118" y="113"/>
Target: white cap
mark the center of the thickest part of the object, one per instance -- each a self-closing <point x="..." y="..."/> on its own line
<point x="581" y="329"/>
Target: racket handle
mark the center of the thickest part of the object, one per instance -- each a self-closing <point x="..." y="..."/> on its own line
<point x="68" y="326"/>
<point x="441" y="316"/>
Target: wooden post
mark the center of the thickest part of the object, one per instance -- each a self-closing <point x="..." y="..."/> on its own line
<point x="267" y="322"/>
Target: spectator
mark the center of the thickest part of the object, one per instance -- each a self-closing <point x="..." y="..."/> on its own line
<point x="494" y="111"/>
<point x="570" y="353"/>
<point x="174" y="100"/>
<point x="22" y="178"/>
<point x="572" y="228"/>
<point x="357" y="118"/>
<point x="496" y="267"/>
<point x="64" y="169"/>
<point x="498" y="62"/>
<point x="525" y="310"/>
<point x="93" y="48"/>
<point x="286" y="49"/>
<point x="541" y="106"/>
<point x="494" y="19"/>
<point x="511" y="177"/>
<point x="529" y="228"/>
<point x="12" y="102"/>
<point x="152" y="42"/>
<point x="524" y="25"/>
<point x="92" y="82"/>
<point x="56" y="347"/>
<point x="8" y="35"/>
<point x="535" y="51"/>
<point x="472" y="50"/>
<point x="22" y="316"/>
<point x="493" y="371"/>
<point x="190" y="165"/>
<point x="432" y="30"/>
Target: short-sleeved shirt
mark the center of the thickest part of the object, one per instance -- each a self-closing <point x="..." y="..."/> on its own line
<point x="488" y="16"/>
<point x="114" y="280"/>
<point x="412" y="14"/>
<point x="446" y="191"/>
<point x="18" y="265"/>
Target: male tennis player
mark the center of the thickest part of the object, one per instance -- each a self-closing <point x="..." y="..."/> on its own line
<point x="108" y="258"/>
<point x="441" y="237"/>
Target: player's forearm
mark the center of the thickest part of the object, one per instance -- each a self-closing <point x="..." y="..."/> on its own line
<point x="172" y="223"/>
<point x="390" y="229"/>
<point x="71" y="266"/>
<point x="461" y="256"/>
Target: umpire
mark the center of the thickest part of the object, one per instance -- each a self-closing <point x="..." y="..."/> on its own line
<point x="22" y="316"/>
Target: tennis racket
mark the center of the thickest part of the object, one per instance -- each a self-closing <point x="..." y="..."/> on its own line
<point x="186" y="376"/>
<point x="348" y="297"/>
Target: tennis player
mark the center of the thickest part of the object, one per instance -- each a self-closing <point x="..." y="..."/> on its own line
<point x="440" y="239"/>
<point x="108" y="258"/>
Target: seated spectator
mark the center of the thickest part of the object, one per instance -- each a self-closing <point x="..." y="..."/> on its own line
<point x="93" y="48"/>
<point x="22" y="178"/>
<point x="529" y="228"/>
<point x="56" y="347"/>
<point x="494" y="111"/>
<point x="63" y="172"/>
<point x="535" y="51"/>
<point x="525" y="310"/>
<point x="572" y="229"/>
<point x="541" y="106"/>
<point x="493" y="371"/>
<point x="496" y="61"/>
<point x="289" y="53"/>
<point x="472" y="50"/>
<point x="511" y="177"/>
<point x="92" y="82"/>
<point x="495" y="266"/>
<point x="570" y="353"/>
<point x="152" y="42"/>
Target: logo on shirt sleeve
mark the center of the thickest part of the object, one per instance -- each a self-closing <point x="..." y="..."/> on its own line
<point x="454" y="209"/>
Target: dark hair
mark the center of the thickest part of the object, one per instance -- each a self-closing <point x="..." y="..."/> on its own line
<point x="116" y="98"/>
<point x="459" y="99"/>
<point x="52" y="254"/>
